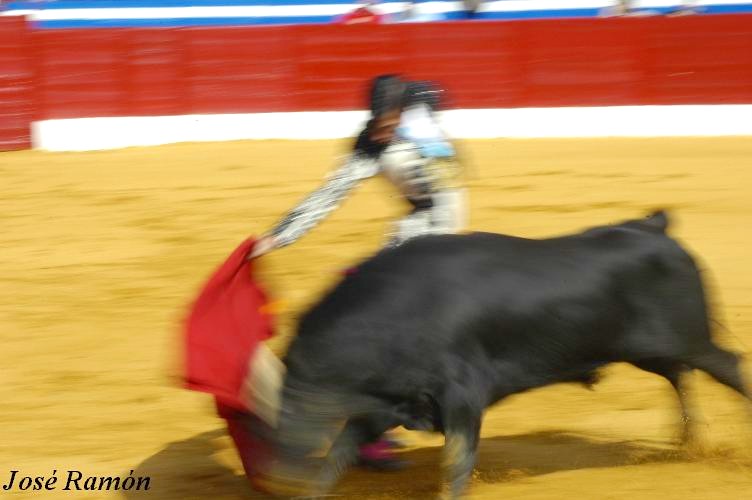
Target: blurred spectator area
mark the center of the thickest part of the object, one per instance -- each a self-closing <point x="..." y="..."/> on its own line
<point x="118" y="13"/>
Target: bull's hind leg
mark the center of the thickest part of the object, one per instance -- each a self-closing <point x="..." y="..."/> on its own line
<point x="723" y="366"/>
<point x="673" y="371"/>
<point x="461" y="416"/>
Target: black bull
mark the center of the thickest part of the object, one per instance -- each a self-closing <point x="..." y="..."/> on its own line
<point x="431" y="333"/>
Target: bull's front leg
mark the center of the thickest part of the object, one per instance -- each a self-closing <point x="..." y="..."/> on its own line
<point x="461" y="413"/>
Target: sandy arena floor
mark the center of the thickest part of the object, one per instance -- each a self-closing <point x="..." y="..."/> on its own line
<point x="100" y="252"/>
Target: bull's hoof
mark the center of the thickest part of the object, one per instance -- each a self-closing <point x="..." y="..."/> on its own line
<point x="447" y="494"/>
<point x="279" y="487"/>
<point x="284" y="480"/>
<point x="687" y="436"/>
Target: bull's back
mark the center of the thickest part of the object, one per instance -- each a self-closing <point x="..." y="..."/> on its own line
<point x="409" y="308"/>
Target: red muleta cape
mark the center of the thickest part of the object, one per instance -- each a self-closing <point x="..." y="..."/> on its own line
<point x="224" y="326"/>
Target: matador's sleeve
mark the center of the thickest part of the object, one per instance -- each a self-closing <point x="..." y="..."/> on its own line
<point x="324" y="200"/>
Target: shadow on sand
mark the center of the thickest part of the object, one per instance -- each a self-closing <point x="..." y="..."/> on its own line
<point x="188" y="469"/>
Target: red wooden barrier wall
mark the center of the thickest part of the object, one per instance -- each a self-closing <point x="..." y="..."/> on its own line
<point x="16" y="85"/>
<point x="541" y="63"/>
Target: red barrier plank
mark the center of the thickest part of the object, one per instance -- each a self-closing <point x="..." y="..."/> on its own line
<point x="16" y="84"/>
<point x="335" y="63"/>
<point x="588" y="62"/>
<point x="239" y="70"/>
<point x="82" y="73"/>
<point x="541" y="63"/>
<point x="480" y="64"/>
<point x="699" y="60"/>
<point x="155" y="83"/>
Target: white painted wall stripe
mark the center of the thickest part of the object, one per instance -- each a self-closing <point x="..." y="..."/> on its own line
<point x="82" y="134"/>
<point x="188" y="12"/>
